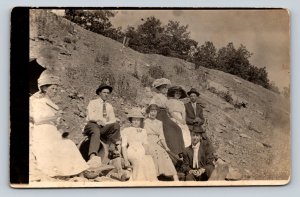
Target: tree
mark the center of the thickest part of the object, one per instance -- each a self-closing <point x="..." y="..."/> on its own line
<point x="178" y="39"/>
<point x="206" y="56"/>
<point x="149" y="34"/>
<point x="97" y="21"/>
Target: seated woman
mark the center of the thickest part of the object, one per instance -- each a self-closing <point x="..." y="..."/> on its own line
<point x="51" y="155"/>
<point x="157" y="144"/>
<point x="176" y="109"/>
<point x="172" y="131"/>
<point x="135" y="149"/>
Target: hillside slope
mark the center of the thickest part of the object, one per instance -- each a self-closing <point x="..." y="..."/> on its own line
<point x="248" y="125"/>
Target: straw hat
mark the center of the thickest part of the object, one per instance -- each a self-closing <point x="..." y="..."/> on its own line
<point x="172" y="90"/>
<point x="135" y="113"/>
<point x="161" y="81"/>
<point x="47" y="78"/>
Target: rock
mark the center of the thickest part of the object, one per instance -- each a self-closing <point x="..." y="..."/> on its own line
<point x="220" y="172"/>
<point x="259" y="145"/>
<point x="103" y="179"/>
<point x="245" y="136"/>
<point x="230" y="142"/>
<point x="80" y="96"/>
<point x="78" y="179"/>
<point x="254" y="129"/>
<point x="233" y="175"/>
<point x="238" y="81"/>
<point x="267" y="145"/>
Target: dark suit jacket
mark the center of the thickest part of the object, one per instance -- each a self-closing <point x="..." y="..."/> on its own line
<point x="205" y="159"/>
<point x="190" y="114"/>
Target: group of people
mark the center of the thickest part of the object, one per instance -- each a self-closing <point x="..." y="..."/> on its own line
<point x="167" y="140"/>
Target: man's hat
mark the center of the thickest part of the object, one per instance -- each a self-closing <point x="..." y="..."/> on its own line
<point x="103" y="86"/>
<point x="197" y="129"/>
<point x="193" y="90"/>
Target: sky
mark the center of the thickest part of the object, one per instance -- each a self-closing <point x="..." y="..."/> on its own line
<point x="265" y="33"/>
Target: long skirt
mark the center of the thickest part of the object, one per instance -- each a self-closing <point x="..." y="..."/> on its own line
<point x="143" y="165"/>
<point x="161" y="158"/>
<point x="53" y="155"/>
<point x="172" y="132"/>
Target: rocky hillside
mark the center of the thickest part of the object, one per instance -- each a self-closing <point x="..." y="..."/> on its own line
<point x="248" y="125"/>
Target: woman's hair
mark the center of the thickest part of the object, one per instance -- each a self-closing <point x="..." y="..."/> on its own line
<point x="44" y="88"/>
<point x="161" y="87"/>
<point x="141" y="121"/>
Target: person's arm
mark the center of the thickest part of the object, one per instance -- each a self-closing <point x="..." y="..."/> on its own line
<point x="184" y="115"/>
<point x="209" y="158"/>
<point x="124" y="148"/>
<point x="200" y="115"/>
<point x="186" y="163"/>
<point x="162" y="137"/>
<point x="177" y="117"/>
<point x="145" y="142"/>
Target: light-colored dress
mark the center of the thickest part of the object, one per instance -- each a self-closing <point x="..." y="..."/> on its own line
<point x="172" y="131"/>
<point x="177" y="107"/>
<point x="50" y="154"/>
<point x="142" y="164"/>
<point x="162" y="161"/>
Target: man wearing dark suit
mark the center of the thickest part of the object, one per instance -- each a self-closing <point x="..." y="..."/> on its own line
<point x="198" y="158"/>
<point x="194" y="111"/>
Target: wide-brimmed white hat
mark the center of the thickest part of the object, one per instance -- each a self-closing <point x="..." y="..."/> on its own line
<point x="135" y="113"/>
<point x="161" y="81"/>
<point x="47" y="78"/>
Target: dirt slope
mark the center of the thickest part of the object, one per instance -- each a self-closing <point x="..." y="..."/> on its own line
<point x="250" y="130"/>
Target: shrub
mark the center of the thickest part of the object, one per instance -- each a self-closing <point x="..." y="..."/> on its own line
<point x="67" y="40"/>
<point x="135" y="72"/>
<point x="103" y="59"/>
<point x="179" y="69"/>
<point x="146" y="80"/>
<point x="124" y="89"/>
<point x="156" y="72"/>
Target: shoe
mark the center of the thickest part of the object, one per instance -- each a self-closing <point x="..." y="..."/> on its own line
<point x="94" y="162"/>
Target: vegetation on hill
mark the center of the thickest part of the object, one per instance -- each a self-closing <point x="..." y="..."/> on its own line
<point x="173" y="40"/>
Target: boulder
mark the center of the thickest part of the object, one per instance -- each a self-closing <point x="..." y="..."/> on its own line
<point x="233" y="175"/>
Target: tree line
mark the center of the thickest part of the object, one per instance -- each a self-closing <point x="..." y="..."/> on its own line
<point x="173" y="40"/>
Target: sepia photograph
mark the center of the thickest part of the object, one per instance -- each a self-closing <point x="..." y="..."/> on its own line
<point x="155" y="97"/>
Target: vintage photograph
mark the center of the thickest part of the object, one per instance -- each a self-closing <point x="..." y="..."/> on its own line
<point x="159" y="97"/>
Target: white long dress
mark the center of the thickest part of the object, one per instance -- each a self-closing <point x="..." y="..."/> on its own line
<point x="143" y="165"/>
<point x="51" y="154"/>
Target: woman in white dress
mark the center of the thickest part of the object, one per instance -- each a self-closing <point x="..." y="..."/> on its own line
<point x="177" y="112"/>
<point x="51" y="155"/>
<point x="135" y="149"/>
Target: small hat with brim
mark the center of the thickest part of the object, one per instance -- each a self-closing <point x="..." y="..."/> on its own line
<point x="47" y="78"/>
<point x="161" y="81"/>
<point x="172" y="90"/>
<point x="193" y="90"/>
<point x="151" y="107"/>
<point x="197" y="129"/>
<point x="135" y="113"/>
<point x="103" y="86"/>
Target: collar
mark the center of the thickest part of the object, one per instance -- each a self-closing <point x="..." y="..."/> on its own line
<point x="196" y="146"/>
